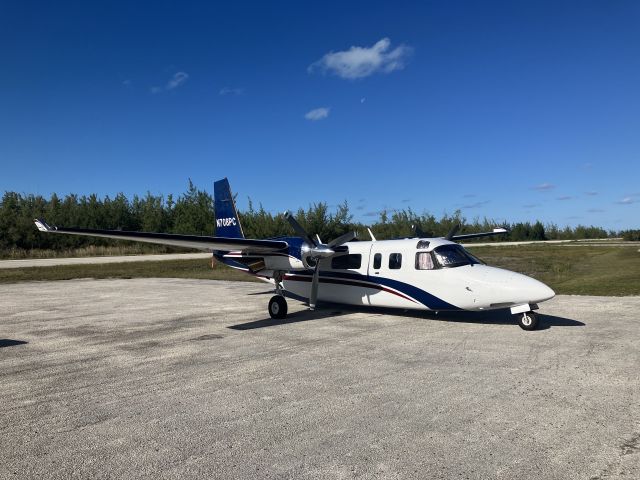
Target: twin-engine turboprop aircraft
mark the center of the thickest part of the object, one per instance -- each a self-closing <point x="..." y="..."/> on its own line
<point x="413" y="273"/>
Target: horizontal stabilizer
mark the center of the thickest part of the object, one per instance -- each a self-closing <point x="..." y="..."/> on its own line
<point x="221" y="244"/>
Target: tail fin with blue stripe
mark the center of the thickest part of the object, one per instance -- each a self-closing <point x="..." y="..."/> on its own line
<point x="227" y="221"/>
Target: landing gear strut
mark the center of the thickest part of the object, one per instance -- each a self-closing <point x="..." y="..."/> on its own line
<point x="278" y="304"/>
<point x="528" y="320"/>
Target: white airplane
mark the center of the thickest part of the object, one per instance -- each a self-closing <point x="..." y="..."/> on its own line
<point x="435" y="274"/>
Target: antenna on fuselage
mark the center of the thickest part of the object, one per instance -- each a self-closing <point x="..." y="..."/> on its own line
<point x="373" y="239"/>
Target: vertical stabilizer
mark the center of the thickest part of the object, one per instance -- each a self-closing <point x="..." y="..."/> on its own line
<point x="227" y="221"/>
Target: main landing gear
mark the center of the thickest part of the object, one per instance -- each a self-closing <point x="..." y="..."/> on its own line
<point x="277" y="307"/>
<point x="278" y="304"/>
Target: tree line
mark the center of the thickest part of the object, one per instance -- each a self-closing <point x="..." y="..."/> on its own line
<point x="192" y="212"/>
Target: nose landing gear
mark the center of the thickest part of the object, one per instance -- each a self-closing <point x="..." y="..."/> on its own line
<point x="528" y="320"/>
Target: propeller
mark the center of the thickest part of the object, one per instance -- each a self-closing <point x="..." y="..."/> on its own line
<point x="453" y="231"/>
<point x="316" y="251"/>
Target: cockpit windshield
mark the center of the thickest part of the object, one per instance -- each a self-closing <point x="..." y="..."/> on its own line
<point x="449" y="256"/>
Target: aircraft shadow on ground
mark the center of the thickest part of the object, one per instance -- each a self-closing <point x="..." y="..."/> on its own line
<point x="328" y="310"/>
<point x="496" y="317"/>
<point x="295" y="317"/>
<point x="5" y="342"/>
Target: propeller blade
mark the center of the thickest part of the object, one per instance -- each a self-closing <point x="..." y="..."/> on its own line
<point x="298" y="228"/>
<point x="314" y="286"/>
<point x="347" y="237"/>
<point x="453" y="231"/>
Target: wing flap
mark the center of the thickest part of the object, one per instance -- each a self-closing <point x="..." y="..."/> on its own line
<point x="187" y="241"/>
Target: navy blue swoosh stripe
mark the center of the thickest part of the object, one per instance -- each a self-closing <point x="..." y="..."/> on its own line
<point x="426" y="298"/>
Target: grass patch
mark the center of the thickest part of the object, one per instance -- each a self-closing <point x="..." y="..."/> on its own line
<point x="571" y="270"/>
<point x="121" y="249"/>
<point x="199" y="268"/>
<point x="577" y="270"/>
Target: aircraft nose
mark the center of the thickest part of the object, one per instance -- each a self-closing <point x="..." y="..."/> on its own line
<point x="536" y="290"/>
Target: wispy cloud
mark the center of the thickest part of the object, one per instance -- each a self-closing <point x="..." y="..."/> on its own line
<point x="177" y="80"/>
<point x="373" y="214"/>
<point x="595" y="210"/>
<point x="469" y="195"/>
<point x="531" y="205"/>
<point x="360" y="62"/>
<point x="564" y="197"/>
<point x="317" y="114"/>
<point x="626" y="201"/>
<point x="544" y="187"/>
<point x="591" y="193"/>
<point x="476" y="204"/>
<point x="231" y="91"/>
<point x="406" y="200"/>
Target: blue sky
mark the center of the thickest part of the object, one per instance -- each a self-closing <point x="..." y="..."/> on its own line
<point x="510" y="110"/>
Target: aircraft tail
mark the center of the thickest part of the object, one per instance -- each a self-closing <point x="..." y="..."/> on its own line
<point x="227" y="221"/>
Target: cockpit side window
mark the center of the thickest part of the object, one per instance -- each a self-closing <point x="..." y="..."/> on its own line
<point x="423" y="245"/>
<point x="449" y="256"/>
<point x="424" y="261"/>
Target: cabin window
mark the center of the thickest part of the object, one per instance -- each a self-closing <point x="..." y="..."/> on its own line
<point x="347" y="262"/>
<point x="423" y="244"/>
<point x="395" y="261"/>
<point x="377" y="261"/>
<point x="424" y="261"/>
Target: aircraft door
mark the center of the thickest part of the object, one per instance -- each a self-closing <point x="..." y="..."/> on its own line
<point x="373" y="270"/>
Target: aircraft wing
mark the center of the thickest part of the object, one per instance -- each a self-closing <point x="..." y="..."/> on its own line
<point x="188" y="241"/>
<point x="496" y="231"/>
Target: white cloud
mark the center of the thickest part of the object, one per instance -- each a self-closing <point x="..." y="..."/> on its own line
<point x="543" y="187"/>
<point x="476" y="204"/>
<point x="359" y="62"/>
<point x="175" y="81"/>
<point x="317" y="114"/>
<point x="231" y="91"/>
<point x="626" y="201"/>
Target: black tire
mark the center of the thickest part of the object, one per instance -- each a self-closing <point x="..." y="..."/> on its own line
<point x="278" y="307"/>
<point x="528" y="320"/>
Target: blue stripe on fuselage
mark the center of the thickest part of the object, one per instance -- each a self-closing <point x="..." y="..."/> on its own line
<point x="426" y="298"/>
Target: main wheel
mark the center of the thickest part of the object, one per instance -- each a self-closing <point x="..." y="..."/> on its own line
<point x="278" y="307"/>
<point x="528" y="321"/>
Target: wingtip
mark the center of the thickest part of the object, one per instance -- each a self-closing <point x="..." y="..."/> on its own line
<point x="42" y="225"/>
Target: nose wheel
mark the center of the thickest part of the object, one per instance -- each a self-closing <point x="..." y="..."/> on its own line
<point x="528" y="321"/>
<point x="277" y="307"/>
